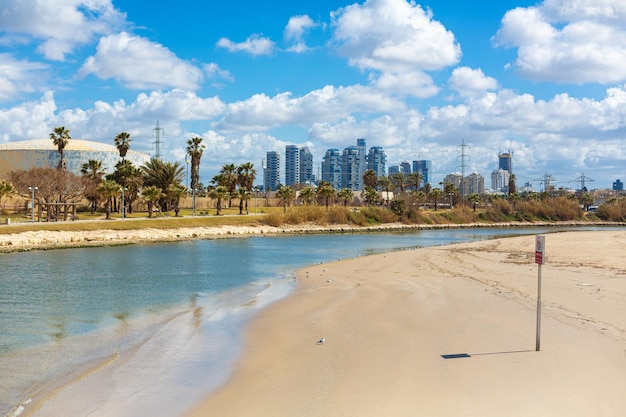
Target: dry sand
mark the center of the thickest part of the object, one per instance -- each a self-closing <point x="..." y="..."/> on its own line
<point x="388" y="319"/>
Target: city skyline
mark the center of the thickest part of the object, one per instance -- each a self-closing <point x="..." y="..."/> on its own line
<point x="545" y="79"/>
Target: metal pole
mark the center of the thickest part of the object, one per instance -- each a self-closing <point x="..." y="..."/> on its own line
<point x="538" y="338"/>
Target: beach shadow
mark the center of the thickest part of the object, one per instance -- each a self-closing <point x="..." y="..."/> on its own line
<point x="469" y="355"/>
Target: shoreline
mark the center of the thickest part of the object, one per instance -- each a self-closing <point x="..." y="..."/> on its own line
<point x="45" y="240"/>
<point x="389" y="319"/>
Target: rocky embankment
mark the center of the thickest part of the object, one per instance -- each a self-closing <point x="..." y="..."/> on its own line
<point x="44" y="239"/>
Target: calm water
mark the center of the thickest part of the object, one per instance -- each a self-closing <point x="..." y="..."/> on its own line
<point x="125" y="316"/>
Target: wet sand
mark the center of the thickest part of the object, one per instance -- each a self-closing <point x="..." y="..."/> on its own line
<point x="389" y="321"/>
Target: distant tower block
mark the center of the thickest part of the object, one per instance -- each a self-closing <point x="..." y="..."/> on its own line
<point x="505" y="161"/>
<point x="157" y="142"/>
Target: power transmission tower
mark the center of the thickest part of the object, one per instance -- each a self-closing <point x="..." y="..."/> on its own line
<point x="157" y="142"/>
<point x="463" y="157"/>
<point x="581" y="180"/>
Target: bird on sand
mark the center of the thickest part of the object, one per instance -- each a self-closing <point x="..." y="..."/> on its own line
<point x="321" y="341"/>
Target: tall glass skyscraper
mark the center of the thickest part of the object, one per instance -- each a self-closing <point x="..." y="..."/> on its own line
<point x="271" y="171"/>
<point x="306" y="166"/>
<point x="351" y="169"/>
<point x="331" y="168"/>
<point x="376" y="160"/>
<point x="292" y="165"/>
<point x="423" y="168"/>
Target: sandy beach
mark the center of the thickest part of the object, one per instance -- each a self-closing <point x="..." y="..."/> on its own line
<point x="388" y="320"/>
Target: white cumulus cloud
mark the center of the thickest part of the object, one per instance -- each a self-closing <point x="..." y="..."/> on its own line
<point x="254" y="45"/>
<point x="568" y="41"/>
<point x="59" y="25"/>
<point x="140" y="63"/>
<point x="469" y="82"/>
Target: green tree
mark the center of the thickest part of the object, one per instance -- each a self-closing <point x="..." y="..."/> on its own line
<point x="108" y="190"/>
<point x="413" y="180"/>
<point x="246" y="174"/>
<point x="122" y="143"/>
<point x="307" y="195"/>
<point x="474" y="199"/>
<point x="387" y="186"/>
<point x="161" y="175"/>
<point x="228" y="178"/>
<point x="60" y="137"/>
<point x="326" y="192"/>
<point x="586" y="200"/>
<point x="286" y="195"/>
<point x="174" y="194"/>
<point x="370" y="196"/>
<point x="93" y="171"/>
<point x="512" y="184"/>
<point x="370" y="179"/>
<point x="435" y="195"/>
<point x="243" y="195"/>
<point x="399" y="181"/>
<point x="219" y="193"/>
<point x="195" y="149"/>
<point x="151" y="195"/>
<point x="347" y="195"/>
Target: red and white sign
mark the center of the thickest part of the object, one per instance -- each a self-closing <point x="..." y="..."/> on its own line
<point x="540" y="249"/>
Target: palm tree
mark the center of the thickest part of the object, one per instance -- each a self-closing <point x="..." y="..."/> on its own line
<point x="60" y="137"/>
<point x="195" y="149"/>
<point x="174" y="193"/>
<point x="162" y="175"/>
<point x="122" y="143"/>
<point x="413" y="180"/>
<point x="398" y="180"/>
<point x="228" y="178"/>
<point x="512" y="184"/>
<point x="286" y="195"/>
<point x="151" y="195"/>
<point x="6" y="188"/>
<point x="326" y="192"/>
<point x="387" y="185"/>
<point x="370" y="196"/>
<point x="450" y="190"/>
<point x="243" y="195"/>
<point x="109" y="190"/>
<point x="435" y="194"/>
<point x="92" y="170"/>
<point x="246" y="174"/>
<point x="307" y="195"/>
<point x="219" y="193"/>
<point x="132" y="181"/>
<point x="347" y="195"/>
<point x="370" y="179"/>
<point x="474" y="199"/>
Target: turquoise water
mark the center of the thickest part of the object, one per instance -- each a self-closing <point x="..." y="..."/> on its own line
<point x="124" y="316"/>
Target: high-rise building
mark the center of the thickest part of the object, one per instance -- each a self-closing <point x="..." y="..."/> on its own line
<point x="505" y="161"/>
<point x="405" y="167"/>
<point x="351" y="177"/>
<point x="271" y="171"/>
<point x="500" y="180"/>
<point x="618" y="185"/>
<point x="306" y="166"/>
<point x="376" y="160"/>
<point x="292" y="165"/>
<point x="331" y="168"/>
<point x="423" y="167"/>
<point x="362" y="146"/>
<point x="456" y="179"/>
<point x="474" y="184"/>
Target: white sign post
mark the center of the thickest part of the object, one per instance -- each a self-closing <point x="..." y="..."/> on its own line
<point x="540" y="259"/>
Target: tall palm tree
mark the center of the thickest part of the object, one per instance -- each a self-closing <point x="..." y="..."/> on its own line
<point x="174" y="193"/>
<point x="151" y="195"/>
<point x="246" y="174"/>
<point x="109" y="190"/>
<point x="370" y="178"/>
<point x="435" y="194"/>
<point x="286" y="195"/>
<point x="228" y="179"/>
<point x="474" y="199"/>
<point x="413" y="180"/>
<point x="399" y="181"/>
<point x="195" y="149"/>
<point x="60" y="137"/>
<point x="122" y="143"/>
<point x="93" y="171"/>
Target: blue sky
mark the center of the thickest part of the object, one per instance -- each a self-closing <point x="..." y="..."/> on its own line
<point x="544" y="79"/>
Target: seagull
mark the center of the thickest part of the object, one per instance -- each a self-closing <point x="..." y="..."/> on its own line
<point x="321" y="341"/>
